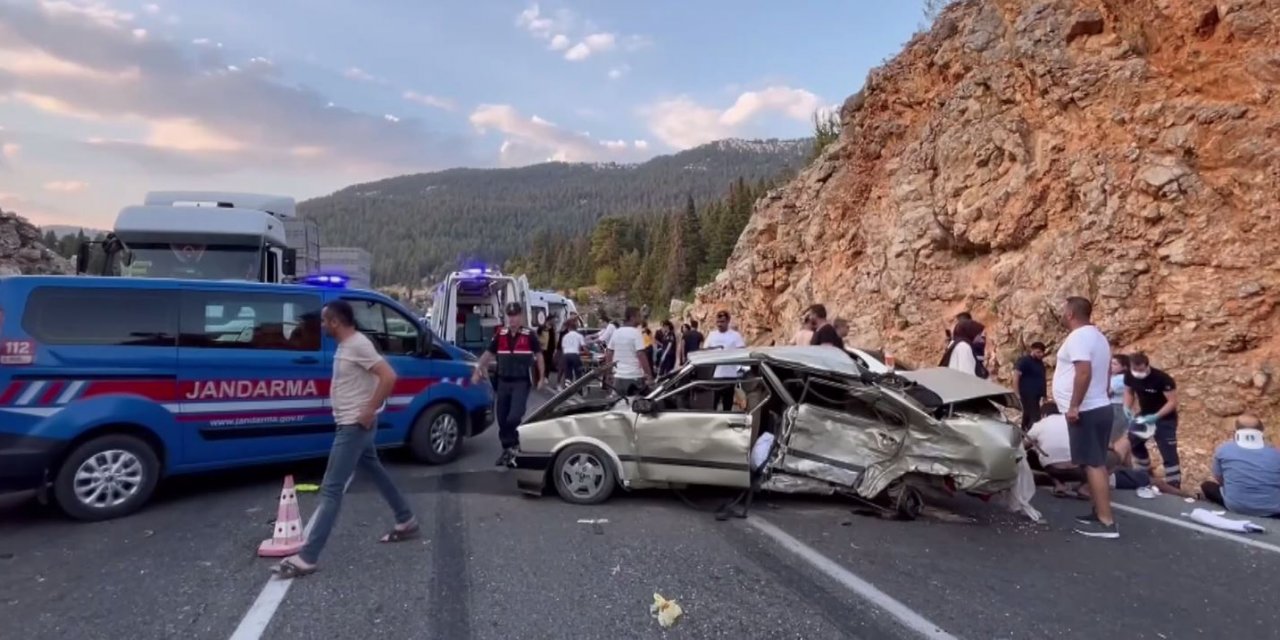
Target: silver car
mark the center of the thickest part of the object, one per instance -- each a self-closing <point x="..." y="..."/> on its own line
<point x="785" y="419"/>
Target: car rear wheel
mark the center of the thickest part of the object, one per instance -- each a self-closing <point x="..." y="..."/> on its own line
<point x="583" y="475"/>
<point x="437" y="434"/>
<point x="906" y="500"/>
<point x="107" y="477"/>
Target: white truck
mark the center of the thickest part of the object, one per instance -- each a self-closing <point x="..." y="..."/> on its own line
<point x="468" y="306"/>
<point x="206" y="235"/>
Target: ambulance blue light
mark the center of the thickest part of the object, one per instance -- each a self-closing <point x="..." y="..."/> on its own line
<point x="327" y="280"/>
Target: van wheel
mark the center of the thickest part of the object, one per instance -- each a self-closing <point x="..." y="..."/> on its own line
<point x="583" y="475"/>
<point x="107" y="477"/>
<point x="437" y="435"/>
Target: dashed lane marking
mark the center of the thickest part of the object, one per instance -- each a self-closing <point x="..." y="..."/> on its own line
<point x="901" y="612"/>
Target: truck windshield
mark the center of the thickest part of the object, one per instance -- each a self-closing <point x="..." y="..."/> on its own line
<point x="201" y="262"/>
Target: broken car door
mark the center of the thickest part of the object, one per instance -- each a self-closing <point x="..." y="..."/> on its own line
<point x="686" y="439"/>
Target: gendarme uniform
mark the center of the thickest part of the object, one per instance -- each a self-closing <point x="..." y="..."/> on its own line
<point x="515" y="351"/>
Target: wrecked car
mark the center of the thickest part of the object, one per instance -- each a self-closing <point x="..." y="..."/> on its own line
<point x="836" y="428"/>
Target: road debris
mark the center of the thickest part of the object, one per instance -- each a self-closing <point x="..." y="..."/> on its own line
<point x="666" y="611"/>
<point x="596" y="525"/>
<point x="616" y="568"/>
<point x="307" y="488"/>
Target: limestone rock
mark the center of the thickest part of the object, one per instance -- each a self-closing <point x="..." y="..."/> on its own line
<point x="21" y="251"/>
<point x="1027" y="150"/>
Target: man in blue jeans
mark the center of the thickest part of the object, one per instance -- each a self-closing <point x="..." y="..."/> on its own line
<point x="362" y="382"/>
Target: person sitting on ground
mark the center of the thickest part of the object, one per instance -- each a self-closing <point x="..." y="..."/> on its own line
<point x="1246" y="472"/>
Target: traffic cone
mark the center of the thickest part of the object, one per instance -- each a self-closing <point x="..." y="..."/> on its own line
<point x="288" y="538"/>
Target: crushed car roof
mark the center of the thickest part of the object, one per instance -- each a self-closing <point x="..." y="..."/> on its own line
<point x="953" y="386"/>
<point x="826" y="358"/>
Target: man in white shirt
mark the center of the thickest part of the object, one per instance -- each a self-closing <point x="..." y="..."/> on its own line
<point x="571" y="344"/>
<point x="725" y="338"/>
<point x="1080" y="389"/>
<point x="606" y="334"/>
<point x="626" y="347"/>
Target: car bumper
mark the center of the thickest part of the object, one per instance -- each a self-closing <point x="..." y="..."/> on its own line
<point x="24" y="461"/>
<point x="531" y="471"/>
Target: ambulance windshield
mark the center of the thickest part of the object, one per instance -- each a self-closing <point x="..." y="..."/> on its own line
<point x="200" y="262"/>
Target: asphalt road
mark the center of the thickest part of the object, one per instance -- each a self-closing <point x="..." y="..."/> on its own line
<point x="495" y="564"/>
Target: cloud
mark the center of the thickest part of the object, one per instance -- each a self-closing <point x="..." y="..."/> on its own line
<point x="641" y="144"/>
<point x="140" y="33"/>
<point x="10" y="150"/>
<point x="151" y="8"/>
<point x="82" y="61"/>
<point x="559" y="42"/>
<point x="683" y="123"/>
<point x="532" y="20"/>
<point x="431" y="101"/>
<point x="533" y="139"/>
<point x="591" y="45"/>
<point x="390" y="118"/>
<point x="619" y="71"/>
<point x="558" y="30"/>
<point x="358" y="74"/>
<point x="66" y="186"/>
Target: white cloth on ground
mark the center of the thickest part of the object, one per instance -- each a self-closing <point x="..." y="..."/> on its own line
<point x="1018" y="498"/>
<point x="1211" y="519"/>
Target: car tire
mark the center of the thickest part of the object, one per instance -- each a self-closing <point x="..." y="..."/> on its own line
<point x="436" y="437"/>
<point x="906" y="500"/>
<point x="583" y="474"/>
<point x="108" y="477"/>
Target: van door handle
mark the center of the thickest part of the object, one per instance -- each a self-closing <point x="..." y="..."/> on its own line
<point x="307" y="360"/>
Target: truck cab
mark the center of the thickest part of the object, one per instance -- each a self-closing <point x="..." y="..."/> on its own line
<point x="467" y="308"/>
<point x="200" y="235"/>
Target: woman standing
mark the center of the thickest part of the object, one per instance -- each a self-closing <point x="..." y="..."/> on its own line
<point x="960" y="355"/>
<point x="1119" y="412"/>
<point x="667" y="348"/>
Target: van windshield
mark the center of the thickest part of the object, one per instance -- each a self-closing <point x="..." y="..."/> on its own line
<point x="193" y="261"/>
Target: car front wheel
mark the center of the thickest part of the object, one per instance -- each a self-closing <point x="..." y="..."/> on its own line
<point x="583" y="475"/>
<point x="107" y="477"/>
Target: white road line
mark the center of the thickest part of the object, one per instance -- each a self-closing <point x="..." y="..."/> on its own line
<point x="904" y="615"/>
<point x="255" y="621"/>
<point x="1209" y="531"/>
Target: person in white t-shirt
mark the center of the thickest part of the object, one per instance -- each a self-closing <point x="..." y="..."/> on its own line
<point x="571" y="345"/>
<point x="725" y="338"/>
<point x="626" y="347"/>
<point x="1080" y="389"/>
<point x="606" y="334"/>
<point x="1051" y="439"/>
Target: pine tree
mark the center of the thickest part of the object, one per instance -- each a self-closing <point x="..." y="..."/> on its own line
<point x="691" y="254"/>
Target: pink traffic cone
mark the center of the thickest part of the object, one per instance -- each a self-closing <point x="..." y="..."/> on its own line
<point x="288" y="538"/>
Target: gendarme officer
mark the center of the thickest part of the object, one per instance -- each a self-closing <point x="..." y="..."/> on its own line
<point x="516" y="349"/>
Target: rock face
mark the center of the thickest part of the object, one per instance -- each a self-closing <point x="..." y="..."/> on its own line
<point x="21" y="251"/>
<point x="1023" y="151"/>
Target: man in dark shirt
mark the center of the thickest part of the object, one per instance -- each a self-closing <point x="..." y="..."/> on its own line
<point x="1031" y="381"/>
<point x="691" y="340"/>
<point x="1152" y="396"/>
<point x="824" y="333"/>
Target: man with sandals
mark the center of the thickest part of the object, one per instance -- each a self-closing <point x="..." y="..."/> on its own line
<point x="362" y="382"/>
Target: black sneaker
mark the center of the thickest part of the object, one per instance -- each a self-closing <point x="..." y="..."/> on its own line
<point x="1092" y="518"/>
<point x="1097" y="529"/>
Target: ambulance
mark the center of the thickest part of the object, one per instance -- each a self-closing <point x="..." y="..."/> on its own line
<point x="108" y="385"/>
<point x="467" y="307"/>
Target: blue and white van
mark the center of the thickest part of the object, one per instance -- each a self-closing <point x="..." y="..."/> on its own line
<point x="109" y="384"/>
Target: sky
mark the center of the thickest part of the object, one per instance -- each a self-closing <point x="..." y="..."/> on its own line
<point x="102" y="101"/>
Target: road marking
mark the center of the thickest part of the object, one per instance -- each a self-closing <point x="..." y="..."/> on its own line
<point x="255" y="621"/>
<point x="905" y="615"/>
<point x="1209" y="531"/>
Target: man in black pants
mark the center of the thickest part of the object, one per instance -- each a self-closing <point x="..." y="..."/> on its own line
<point x="1152" y="394"/>
<point x="518" y="353"/>
<point x="1031" y="381"/>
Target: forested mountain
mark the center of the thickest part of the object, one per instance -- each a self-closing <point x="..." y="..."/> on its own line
<point x="652" y="259"/>
<point x="423" y="225"/>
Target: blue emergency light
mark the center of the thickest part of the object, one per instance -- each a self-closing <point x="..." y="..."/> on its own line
<point x="326" y="280"/>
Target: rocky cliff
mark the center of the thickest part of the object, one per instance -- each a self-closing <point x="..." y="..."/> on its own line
<point x="1022" y="151"/>
<point x="21" y="251"/>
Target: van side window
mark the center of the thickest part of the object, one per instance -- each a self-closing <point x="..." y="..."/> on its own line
<point x="102" y="317"/>
<point x="391" y="331"/>
<point x="250" y="320"/>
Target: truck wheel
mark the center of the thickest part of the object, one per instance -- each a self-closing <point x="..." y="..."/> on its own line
<point x="583" y="475"/>
<point x="107" y="477"/>
<point x="437" y="435"/>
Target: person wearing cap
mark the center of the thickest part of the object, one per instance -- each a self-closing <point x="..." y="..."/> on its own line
<point x="518" y="353"/>
<point x="1246" y="472"/>
<point x="725" y="338"/>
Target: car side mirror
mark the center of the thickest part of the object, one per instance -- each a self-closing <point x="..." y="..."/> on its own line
<point x="643" y="406"/>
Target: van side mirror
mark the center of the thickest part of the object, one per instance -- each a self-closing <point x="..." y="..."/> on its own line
<point x="643" y="406"/>
<point x="82" y="258"/>
<point x="289" y="263"/>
